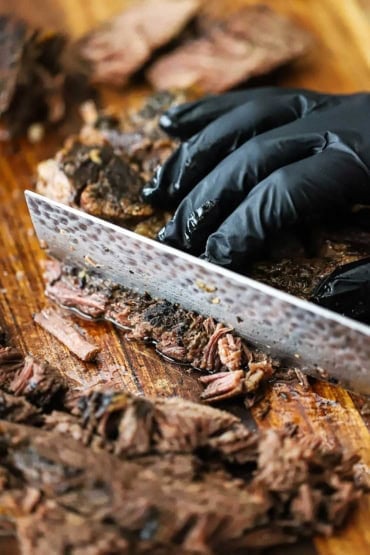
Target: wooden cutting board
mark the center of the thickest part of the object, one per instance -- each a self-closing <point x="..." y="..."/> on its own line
<point x="338" y="62"/>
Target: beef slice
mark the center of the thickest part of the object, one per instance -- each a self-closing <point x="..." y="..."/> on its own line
<point x="224" y="53"/>
<point x="119" y="47"/>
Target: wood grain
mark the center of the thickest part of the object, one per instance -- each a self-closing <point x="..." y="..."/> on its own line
<point x="339" y="62"/>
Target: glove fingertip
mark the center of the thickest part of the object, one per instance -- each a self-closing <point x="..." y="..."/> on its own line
<point x="154" y="192"/>
<point x="167" y="123"/>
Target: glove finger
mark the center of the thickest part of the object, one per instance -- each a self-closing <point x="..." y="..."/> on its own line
<point x="186" y="119"/>
<point x="216" y="196"/>
<point x="195" y="158"/>
<point x="321" y="187"/>
<point x="347" y="290"/>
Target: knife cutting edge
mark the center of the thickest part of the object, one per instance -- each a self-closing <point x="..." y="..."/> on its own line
<point x="321" y="343"/>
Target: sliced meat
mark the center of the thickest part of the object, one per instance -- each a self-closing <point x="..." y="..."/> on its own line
<point x="250" y="42"/>
<point x="62" y="328"/>
<point x="121" y="46"/>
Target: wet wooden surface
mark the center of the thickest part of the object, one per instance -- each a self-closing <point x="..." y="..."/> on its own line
<point x="338" y="62"/>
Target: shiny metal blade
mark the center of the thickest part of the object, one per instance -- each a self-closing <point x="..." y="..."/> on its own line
<point x="323" y="344"/>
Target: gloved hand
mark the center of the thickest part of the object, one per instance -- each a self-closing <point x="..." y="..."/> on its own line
<point x="347" y="290"/>
<point x="259" y="162"/>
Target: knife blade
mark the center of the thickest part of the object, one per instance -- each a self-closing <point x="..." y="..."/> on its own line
<point x="321" y="343"/>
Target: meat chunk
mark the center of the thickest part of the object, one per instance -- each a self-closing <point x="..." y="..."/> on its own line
<point x="250" y="42"/>
<point x="102" y="171"/>
<point x="11" y="360"/>
<point x="59" y="326"/>
<point x="72" y="295"/>
<point x="95" y="179"/>
<point x="18" y="410"/>
<point x="132" y="426"/>
<point x="31" y="76"/>
<point x="39" y="382"/>
<point x="223" y="385"/>
<point x="121" y="46"/>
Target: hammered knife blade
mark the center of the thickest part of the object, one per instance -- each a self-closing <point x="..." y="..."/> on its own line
<point x="321" y="343"/>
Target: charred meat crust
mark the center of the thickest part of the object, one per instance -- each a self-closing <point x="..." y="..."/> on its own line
<point x="102" y="171"/>
<point x="95" y="179"/>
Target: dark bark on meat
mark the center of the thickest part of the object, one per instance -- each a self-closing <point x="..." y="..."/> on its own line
<point x="224" y="53"/>
<point x="96" y="180"/>
<point x="103" y="170"/>
<point x="31" y="76"/>
<point x="62" y="328"/>
<point x="120" y="47"/>
<point x="182" y="335"/>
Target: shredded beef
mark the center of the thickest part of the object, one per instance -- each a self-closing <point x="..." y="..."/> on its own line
<point x="121" y="46"/>
<point x="132" y="426"/>
<point x="182" y="335"/>
<point x="226" y="52"/>
<point x="39" y="382"/>
<point x="62" y="328"/>
<point x="222" y="385"/>
<point x="36" y="380"/>
<point x="281" y="487"/>
<point x="18" y="410"/>
<point x="110" y="472"/>
<point x="11" y="360"/>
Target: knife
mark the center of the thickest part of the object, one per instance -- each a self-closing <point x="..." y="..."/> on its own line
<point x="321" y="343"/>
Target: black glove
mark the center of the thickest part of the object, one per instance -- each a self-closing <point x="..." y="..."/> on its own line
<point x="261" y="162"/>
<point x="347" y="290"/>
